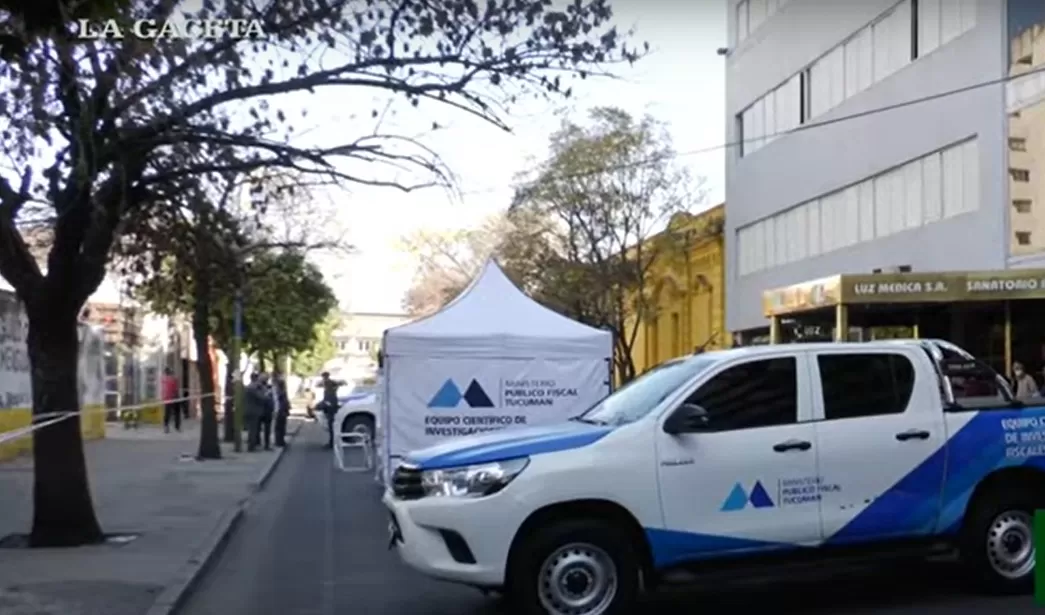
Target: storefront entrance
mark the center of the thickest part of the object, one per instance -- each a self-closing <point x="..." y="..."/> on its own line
<point x="998" y="316"/>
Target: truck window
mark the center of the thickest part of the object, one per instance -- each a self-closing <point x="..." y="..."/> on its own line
<point x="641" y="396"/>
<point x="756" y="394"/>
<point x="860" y="385"/>
<point x="974" y="384"/>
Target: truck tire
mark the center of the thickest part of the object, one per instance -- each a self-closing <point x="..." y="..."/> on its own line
<point x="359" y="423"/>
<point x="574" y="567"/>
<point x="997" y="541"/>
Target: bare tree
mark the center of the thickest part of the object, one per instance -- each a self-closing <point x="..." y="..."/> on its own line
<point x="604" y="190"/>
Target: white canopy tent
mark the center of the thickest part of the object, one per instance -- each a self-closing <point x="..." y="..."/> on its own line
<point x="492" y="358"/>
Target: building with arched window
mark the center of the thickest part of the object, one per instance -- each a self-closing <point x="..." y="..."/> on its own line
<point x="684" y="308"/>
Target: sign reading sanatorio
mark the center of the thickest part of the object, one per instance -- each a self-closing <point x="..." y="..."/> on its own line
<point x="152" y="29"/>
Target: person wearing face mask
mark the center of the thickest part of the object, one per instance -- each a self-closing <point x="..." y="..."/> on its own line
<point x="1023" y="384"/>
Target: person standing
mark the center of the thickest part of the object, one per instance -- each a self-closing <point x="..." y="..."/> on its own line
<point x="282" y="403"/>
<point x="171" y="408"/>
<point x="330" y="404"/>
<point x="253" y="408"/>
<point x="1023" y="384"/>
<point x="268" y="410"/>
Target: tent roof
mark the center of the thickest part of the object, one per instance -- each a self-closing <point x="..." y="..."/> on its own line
<point x="493" y="318"/>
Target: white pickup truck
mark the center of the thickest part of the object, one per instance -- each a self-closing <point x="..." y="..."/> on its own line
<point x="734" y="461"/>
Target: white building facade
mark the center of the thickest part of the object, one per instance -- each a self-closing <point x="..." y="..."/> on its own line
<point x="358" y="342"/>
<point x="865" y="180"/>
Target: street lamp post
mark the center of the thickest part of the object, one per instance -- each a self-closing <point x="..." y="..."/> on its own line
<point x="237" y="336"/>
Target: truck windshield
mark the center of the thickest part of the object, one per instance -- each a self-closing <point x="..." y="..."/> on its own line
<point x="640" y="396"/>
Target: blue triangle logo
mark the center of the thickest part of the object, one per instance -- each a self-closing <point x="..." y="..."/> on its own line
<point x="737" y="499"/>
<point x="448" y="396"/>
<point x="759" y="497"/>
<point x="476" y="396"/>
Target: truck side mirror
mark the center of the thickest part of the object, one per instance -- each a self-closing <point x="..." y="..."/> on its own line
<point x="688" y="418"/>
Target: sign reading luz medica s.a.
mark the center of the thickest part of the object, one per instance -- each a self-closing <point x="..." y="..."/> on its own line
<point x="945" y="287"/>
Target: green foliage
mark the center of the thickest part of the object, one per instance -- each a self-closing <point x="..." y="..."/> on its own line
<point x="285" y="300"/>
<point x="310" y="361"/>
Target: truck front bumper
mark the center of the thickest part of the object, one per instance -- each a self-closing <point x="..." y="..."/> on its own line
<point x="453" y="539"/>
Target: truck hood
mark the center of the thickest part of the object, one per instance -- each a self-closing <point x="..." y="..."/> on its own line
<point x="507" y="444"/>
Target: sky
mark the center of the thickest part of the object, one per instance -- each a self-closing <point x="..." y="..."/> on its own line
<point x="681" y="82"/>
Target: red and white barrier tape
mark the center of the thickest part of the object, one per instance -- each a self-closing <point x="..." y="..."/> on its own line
<point x="50" y="418"/>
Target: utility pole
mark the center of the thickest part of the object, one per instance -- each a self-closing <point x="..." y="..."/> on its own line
<point x="237" y="336"/>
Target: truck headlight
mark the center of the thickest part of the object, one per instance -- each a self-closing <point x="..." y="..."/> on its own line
<point x="472" y="481"/>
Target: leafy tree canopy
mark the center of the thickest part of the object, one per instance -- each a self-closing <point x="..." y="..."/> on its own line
<point x="310" y="361"/>
<point x="286" y="301"/>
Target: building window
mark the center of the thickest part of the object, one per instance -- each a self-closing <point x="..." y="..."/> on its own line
<point x="1019" y="175"/>
<point x="1022" y="206"/>
<point x="151" y="385"/>
<point x="938" y="22"/>
<point x="751" y="14"/>
<point x="908" y="30"/>
<point x="1017" y="144"/>
<point x="1023" y="238"/>
<point x="775" y="114"/>
<point x="743" y="20"/>
<point x="940" y="185"/>
<point x="892" y="41"/>
<point x="676" y="335"/>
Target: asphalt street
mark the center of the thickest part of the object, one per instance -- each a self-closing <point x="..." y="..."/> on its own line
<point x="314" y="543"/>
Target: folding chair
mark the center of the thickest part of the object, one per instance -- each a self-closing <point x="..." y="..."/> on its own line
<point x="354" y="441"/>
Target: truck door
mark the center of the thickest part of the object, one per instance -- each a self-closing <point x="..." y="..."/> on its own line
<point x="721" y="483"/>
<point x="880" y="440"/>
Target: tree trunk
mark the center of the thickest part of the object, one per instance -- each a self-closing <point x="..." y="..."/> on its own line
<point x="63" y="512"/>
<point x="229" y="406"/>
<point x="210" y="446"/>
<point x="261" y="362"/>
<point x="625" y="363"/>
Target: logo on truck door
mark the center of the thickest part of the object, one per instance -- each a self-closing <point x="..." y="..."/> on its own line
<point x="739" y="498"/>
<point x="789" y="492"/>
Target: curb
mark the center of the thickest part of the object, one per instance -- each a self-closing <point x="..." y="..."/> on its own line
<point x="177" y="592"/>
<point x="270" y="469"/>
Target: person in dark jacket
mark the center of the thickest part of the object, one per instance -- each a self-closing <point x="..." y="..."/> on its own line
<point x="254" y="406"/>
<point x="268" y="411"/>
<point x="282" y="407"/>
<point x="330" y="404"/>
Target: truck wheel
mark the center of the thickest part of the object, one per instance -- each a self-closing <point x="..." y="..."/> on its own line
<point x="998" y="545"/>
<point x="359" y="423"/>
<point x="575" y="567"/>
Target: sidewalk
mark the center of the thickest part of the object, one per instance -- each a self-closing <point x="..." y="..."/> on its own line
<point x="142" y="485"/>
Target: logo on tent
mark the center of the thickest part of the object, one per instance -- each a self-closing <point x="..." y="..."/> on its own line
<point x="449" y="396"/>
<point x="739" y="499"/>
